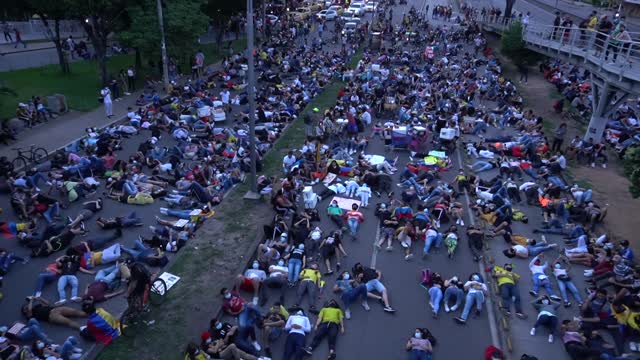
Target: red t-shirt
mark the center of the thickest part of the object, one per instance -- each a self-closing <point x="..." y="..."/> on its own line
<point x="234" y="304"/>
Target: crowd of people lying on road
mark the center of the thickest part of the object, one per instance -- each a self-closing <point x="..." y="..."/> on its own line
<point x="185" y="161"/>
<point x="426" y="95"/>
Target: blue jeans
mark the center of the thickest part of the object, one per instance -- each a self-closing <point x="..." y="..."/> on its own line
<point x="108" y="275"/>
<point x="510" y="293"/>
<point x="453" y="292"/>
<point x="130" y="220"/>
<point x="585" y="197"/>
<point x="564" y="285"/>
<point x="33" y="179"/>
<point x="557" y="181"/>
<point x="180" y="214"/>
<point x="33" y="331"/>
<point x="476" y="298"/>
<point x="295" y="265"/>
<point x="416" y="354"/>
<point x="53" y="210"/>
<point x="348" y="297"/>
<point x="66" y="350"/>
<point x="353" y="226"/>
<point x="248" y="316"/>
<point x="139" y="251"/>
<point x="129" y="187"/>
<point x="480" y="166"/>
<point x="65" y="280"/>
<point x="430" y="241"/>
<point x="44" y="278"/>
<point x="435" y="297"/>
<point x="7" y="260"/>
<point x="546" y="284"/>
<point x="535" y="250"/>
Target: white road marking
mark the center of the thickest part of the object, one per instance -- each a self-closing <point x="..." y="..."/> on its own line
<point x="492" y="316"/>
<point x="374" y="255"/>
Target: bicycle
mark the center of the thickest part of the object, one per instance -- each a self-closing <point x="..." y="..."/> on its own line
<point x="131" y="319"/>
<point x="35" y="155"/>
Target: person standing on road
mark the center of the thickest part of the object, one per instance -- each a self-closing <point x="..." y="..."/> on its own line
<point x="131" y="79"/>
<point x="19" y="39"/>
<point x="6" y="29"/>
<point x="106" y="99"/>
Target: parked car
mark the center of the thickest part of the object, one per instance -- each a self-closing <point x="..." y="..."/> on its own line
<point x="301" y="14"/>
<point x="328" y="15"/>
<point x="337" y="8"/>
<point x="357" y="9"/>
<point x="350" y="28"/>
<point x="371" y="6"/>
<point x="314" y="5"/>
<point x="349" y="17"/>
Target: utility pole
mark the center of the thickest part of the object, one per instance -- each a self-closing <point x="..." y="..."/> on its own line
<point x="253" y="192"/>
<point x="163" y="48"/>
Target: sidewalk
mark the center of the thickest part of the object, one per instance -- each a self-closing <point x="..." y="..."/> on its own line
<point x="67" y="128"/>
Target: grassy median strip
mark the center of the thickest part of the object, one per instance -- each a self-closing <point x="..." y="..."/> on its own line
<point x="211" y="260"/>
<point x="81" y="86"/>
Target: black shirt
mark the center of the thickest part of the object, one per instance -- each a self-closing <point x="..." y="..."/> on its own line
<point x="297" y="254"/>
<point x="69" y="267"/>
<point x="217" y="334"/>
<point x="369" y="274"/>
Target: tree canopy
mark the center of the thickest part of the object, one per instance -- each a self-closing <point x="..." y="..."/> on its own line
<point x="184" y="22"/>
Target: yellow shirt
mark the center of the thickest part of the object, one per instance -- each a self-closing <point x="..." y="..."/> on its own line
<point x="627" y="317"/>
<point x="329" y="314"/>
<point x="592" y="23"/>
<point x="505" y="277"/>
<point x="310" y="274"/>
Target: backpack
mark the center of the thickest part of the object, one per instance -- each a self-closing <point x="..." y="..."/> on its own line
<point x="426" y="278"/>
<point x="140" y="199"/>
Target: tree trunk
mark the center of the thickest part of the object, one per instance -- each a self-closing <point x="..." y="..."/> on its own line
<point x="138" y="61"/>
<point x="55" y="38"/>
<point x="98" y="36"/>
<point x="508" y="9"/>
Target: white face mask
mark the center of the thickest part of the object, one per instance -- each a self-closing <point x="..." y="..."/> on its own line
<point x="219" y="326"/>
<point x="545" y="302"/>
<point x="418" y="335"/>
<point x="227" y="296"/>
<point x="256" y="265"/>
<point x="280" y="263"/>
<point x="346" y="276"/>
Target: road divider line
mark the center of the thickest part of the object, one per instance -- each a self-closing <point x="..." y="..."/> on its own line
<point x="481" y="266"/>
<point x="374" y="255"/>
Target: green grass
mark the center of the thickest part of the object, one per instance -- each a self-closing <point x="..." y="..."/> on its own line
<point x="82" y="86"/>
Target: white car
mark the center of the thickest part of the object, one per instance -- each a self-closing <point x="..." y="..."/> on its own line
<point x="349" y="28"/>
<point x="349" y="17"/>
<point x="371" y="6"/>
<point x="357" y="8"/>
<point x="337" y="8"/>
<point x="328" y="15"/>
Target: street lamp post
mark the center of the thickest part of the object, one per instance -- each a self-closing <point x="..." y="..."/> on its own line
<point x="163" y="48"/>
<point x="253" y="192"/>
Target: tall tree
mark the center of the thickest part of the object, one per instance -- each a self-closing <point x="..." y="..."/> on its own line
<point x="508" y="9"/>
<point x="100" y="18"/>
<point x="184" y="22"/>
<point x="221" y="12"/>
<point x="50" y="13"/>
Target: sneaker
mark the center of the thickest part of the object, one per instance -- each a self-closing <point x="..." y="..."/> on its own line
<point x="506" y="311"/>
<point x="446" y="308"/>
<point x="593" y="165"/>
<point x="460" y="320"/>
<point x="454" y="308"/>
<point x="77" y="350"/>
<point x="533" y="331"/>
<point x="38" y="294"/>
<point x="604" y="166"/>
<point x="567" y="304"/>
<point x="256" y="346"/>
<point x="255" y="302"/>
<point x="461" y="222"/>
<point x="60" y="302"/>
<point x="533" y="293"/>
<point x="389" y="248"/>
<point x="408" y="257"/>
<point x="75" y="356"/>
<point x="76" y="299"/>
<point x="550" y="338"/>
<point x="389" y="309"/>
<point x="308" y="350"/>
<point x="457" y="221"/>
<point x="633" y="346"/>
<point x="365" y="305"/>
<point x="521" y="315"/>
<point x="555" y="297"/>
<point x="347" y="314"/>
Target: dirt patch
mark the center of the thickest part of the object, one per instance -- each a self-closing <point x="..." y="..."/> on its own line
<point x="609" y="185"/>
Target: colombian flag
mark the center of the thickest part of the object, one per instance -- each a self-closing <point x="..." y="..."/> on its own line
<point x="103" y="326"/>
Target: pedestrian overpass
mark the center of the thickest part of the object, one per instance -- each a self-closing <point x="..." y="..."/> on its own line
<point x="611" y="82"/>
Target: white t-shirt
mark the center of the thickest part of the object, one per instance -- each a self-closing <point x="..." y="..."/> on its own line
<point x="475" y="286"/>
<point x="255" y="274"/>
<point x="275" y="270"/>
<point x="106" y="95"/>
<point x="521" y="251"/>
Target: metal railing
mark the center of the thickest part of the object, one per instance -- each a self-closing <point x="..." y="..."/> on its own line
<point x="619" y="57"/>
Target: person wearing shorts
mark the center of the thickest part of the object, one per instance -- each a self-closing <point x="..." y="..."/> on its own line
<point x="371" y="278"/>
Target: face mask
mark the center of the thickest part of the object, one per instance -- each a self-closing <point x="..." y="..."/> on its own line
<point x="558" y="266"/>
<point x="219" y="326"/>
<point x="283" y="239"/>
<point x="300" y="313"/>
<point x="475" y="278"/>
<point x="418" y="335"/>
<point x="256" y="265"/>
<point x="545" y="302"/>
<point x="227" y="296"/>
<point x="40" y="345"/>
<point x="208" y="341"/>
<point x="280" y="263"/>
<point x="301" y="246"/>
<point x="346" y="276"/>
